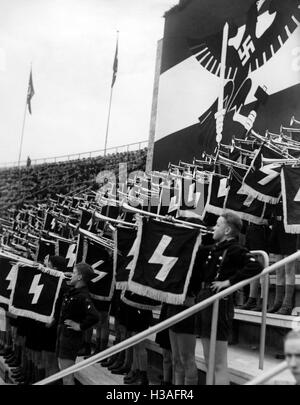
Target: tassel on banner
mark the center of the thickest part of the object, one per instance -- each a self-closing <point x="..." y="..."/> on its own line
<point x="139" y="305"/>
<point x="212" y="210"/>
<point x="163" y="296"/>
<point x="121" y="285"/>
<point x="259" y="196"/>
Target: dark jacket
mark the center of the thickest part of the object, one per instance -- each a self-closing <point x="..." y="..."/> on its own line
<point x="78" y="307"/>
<point x="227" y="260"/>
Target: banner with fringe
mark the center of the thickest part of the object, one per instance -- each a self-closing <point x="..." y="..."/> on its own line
<point x="125" y="248"/>
<point x="193" y="198"/>
<point x="6" y="273"/>
<point x="290" y="183"/>
<point x="139" y="301"/>
<point x="50" y="222"/>
<point x="217" y="193"/>
<point x="164" y="261"/>
<point x="46" y="248"/>
<point x="170" y="197"/>
<point x="101" y="287"/>
<point x="246" y="206"/>
<point x="35" y="291"/>
<point x="67" y="249"/>
<point x="262" y="181"/>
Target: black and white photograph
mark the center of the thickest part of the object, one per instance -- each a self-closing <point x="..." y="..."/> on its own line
<point x="150" y="195"/>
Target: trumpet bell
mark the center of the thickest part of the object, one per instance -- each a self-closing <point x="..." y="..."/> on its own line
<point x="294" y="121"/>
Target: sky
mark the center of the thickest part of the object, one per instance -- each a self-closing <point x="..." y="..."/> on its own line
<point x="70" y="45"/>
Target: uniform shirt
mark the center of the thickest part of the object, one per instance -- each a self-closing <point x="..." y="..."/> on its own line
<point x="227" y="260"/>
<point x="77" y="306"/>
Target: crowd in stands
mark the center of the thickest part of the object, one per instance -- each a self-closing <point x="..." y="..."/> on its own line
<point x="38" y="183"/>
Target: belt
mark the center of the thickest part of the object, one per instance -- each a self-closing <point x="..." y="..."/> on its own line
<point x="204" y="284"/>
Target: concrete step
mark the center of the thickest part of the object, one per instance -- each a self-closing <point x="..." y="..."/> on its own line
<point x="272" y="280"/>
<point x="280" y="321"/>
<point x="242" y="363"/>
<point x="97" y="375"/>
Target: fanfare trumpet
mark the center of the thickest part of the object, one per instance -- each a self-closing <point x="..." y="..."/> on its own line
<point x="294" y="121"/>
<point x="289" y="129"/>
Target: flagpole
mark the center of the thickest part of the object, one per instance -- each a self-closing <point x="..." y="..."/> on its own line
<point x="22" y="135"/>
<point x="109" y="106"/>
<point x="23" y="127"/>
<point x="108" y="118"/>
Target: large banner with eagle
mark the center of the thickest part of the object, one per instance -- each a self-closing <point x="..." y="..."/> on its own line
<point x="262" y="73"/>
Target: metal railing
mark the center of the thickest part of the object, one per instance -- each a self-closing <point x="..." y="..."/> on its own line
<point x="179" y="317"/>
<point x="75" y="156"/>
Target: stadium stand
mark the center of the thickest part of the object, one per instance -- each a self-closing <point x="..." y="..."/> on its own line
<point x="40" y="182"/>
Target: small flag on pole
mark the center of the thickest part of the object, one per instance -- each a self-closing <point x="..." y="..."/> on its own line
<point x="30" y="92"/>
<point x="115" y="66"/>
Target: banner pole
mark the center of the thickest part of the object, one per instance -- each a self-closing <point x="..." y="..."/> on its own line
<point x="219" y="128"/>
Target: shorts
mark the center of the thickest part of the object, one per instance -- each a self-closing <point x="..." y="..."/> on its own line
<point x="22" y="326"/>
<point x="162" y="338"/>
<point x="68" y="343"/>
<point x="34" y="339"/>
<point x="48" y="338"/>
<point x="204" y="317"/>
<point x="101" y="305"/>
<point x="187" y="325"/>
<point x="135" y="319"/>
<point x="257" y="237"/>
<point x="280" y="242"/>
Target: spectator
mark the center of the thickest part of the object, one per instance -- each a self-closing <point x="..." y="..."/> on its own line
<point x="49" y="332"/>
<point x="77" y="315"/>
<point x="217" y="267"/>
<point x="292" y="353"/>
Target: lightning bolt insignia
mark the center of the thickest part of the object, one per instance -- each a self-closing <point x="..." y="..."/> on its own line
<point x="193" y="196"/>
<point x="223" y="189"/>
<point x="71" y="255"/>
<point x="297" y="197"/>
<point x="89" y="224"/>
<point x="53" y="222"/>
<point x="271" y="174"/>
<point x="35" y="288"/>
<point x="132" y="253"/>
<point x="158" y="257"/>
<point x="249" y="200"/>
<point x="10" y="277"/>
<point x="101" y="274"/>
